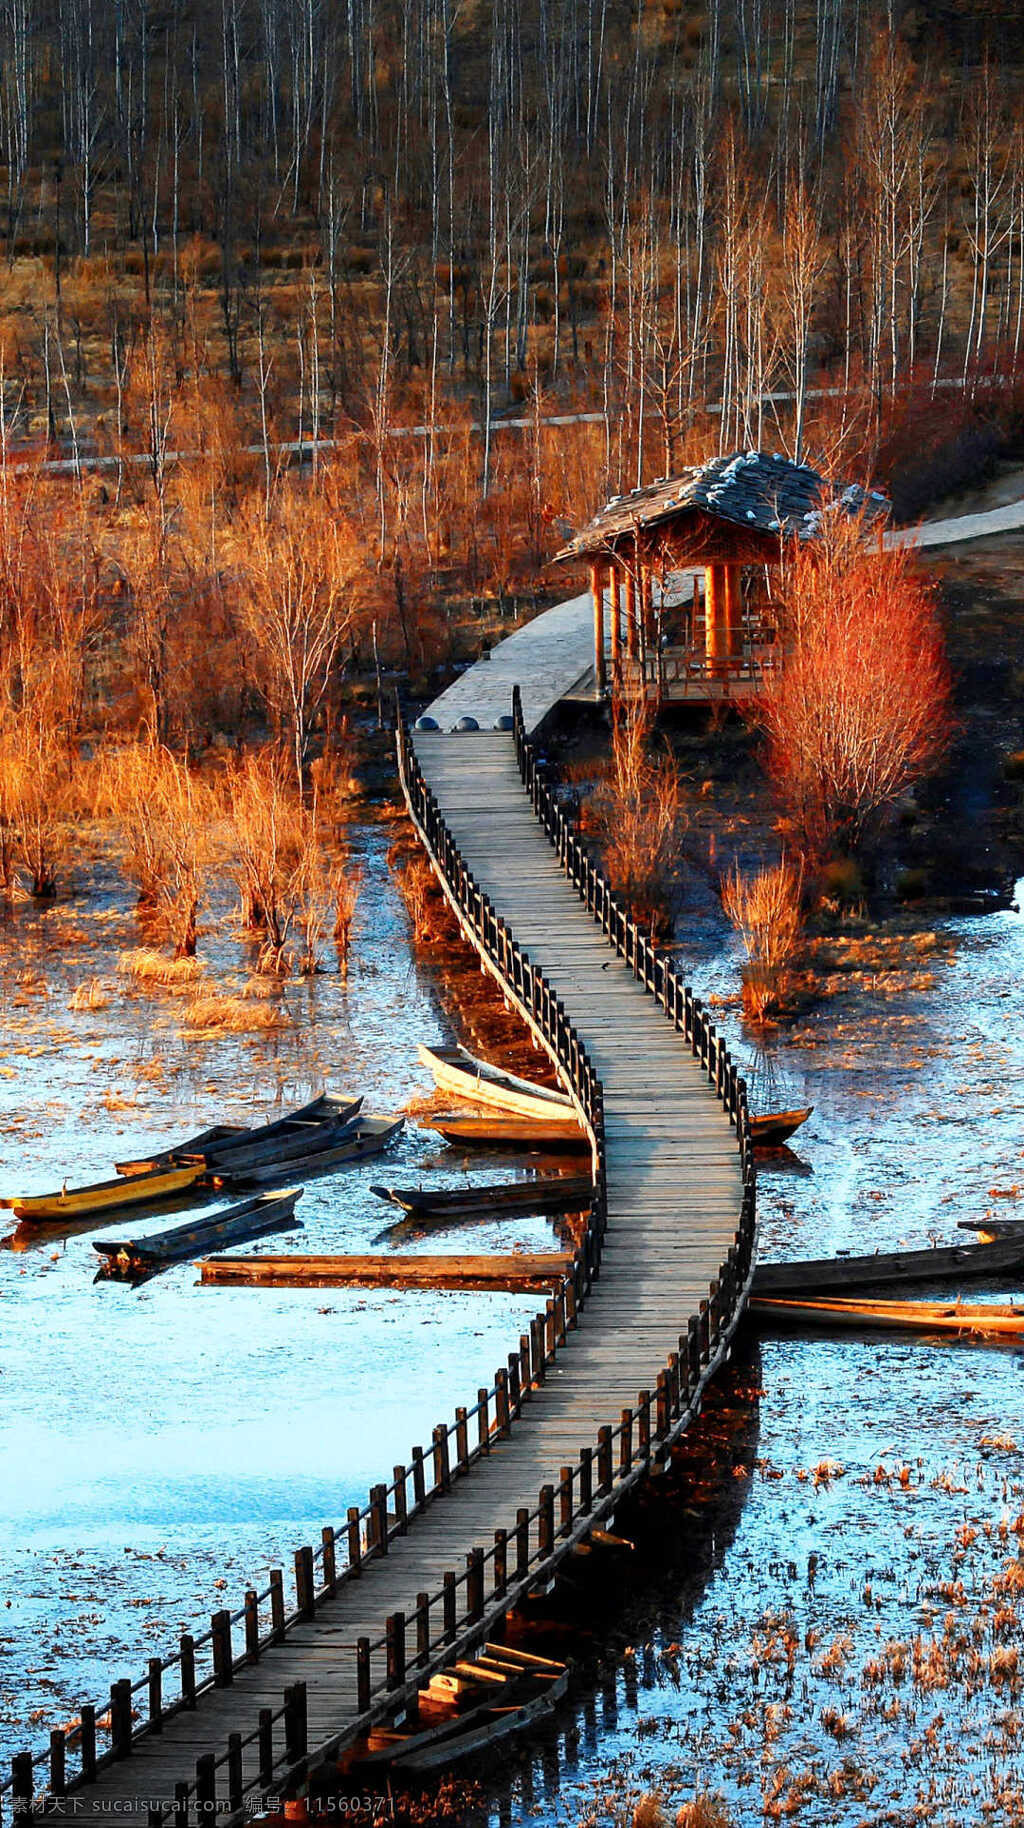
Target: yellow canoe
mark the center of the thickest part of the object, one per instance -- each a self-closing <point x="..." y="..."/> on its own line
<point x="103" y="1196"/>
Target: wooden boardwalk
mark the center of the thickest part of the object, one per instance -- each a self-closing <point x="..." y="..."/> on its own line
<point x="631" y="1358"/>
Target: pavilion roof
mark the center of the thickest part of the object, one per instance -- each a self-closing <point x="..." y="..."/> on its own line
<point x="760" y="492"/>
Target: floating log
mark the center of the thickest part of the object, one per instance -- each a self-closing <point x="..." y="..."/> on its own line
<point x="951" y="1262"/>
<point x="456" y="1070"/>
<point x="366" y="1137"/>
<point x="514" y="1272"/>
<point x="986" y="1320"/>
<point x="555" y="1194"/>
<point x="511" y="1133"/>
<point x="133" y="1259"/>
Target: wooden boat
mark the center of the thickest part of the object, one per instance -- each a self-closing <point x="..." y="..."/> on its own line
<point x="512" y="1133"/>
<point x="465" y="1711"/>
<point x="358" y="1141"/>
<point x="985" y="1320"/>
<point x="773" y="1128"/>
<point x="946" y="1262"/>
<point x="321" y="1125"/>
<point x="555" y="1194"/>
<point x="194" y="1145"/>
<point x="456" y="1070"/>
<point x="258" y="1142"/>
<point x="134" y="1258"/>
<point x="103" y="1196"/>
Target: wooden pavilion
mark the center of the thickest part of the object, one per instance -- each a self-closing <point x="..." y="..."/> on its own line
<point x="682" y="571"/>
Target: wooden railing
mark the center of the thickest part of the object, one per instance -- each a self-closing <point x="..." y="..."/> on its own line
<point x="469" y="1601"/>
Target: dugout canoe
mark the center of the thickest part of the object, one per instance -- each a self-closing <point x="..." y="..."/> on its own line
<point x="981" y="1320"/>
<point x="458" y="1071"/>
<point x="464" y="1711"/>
<point x="554" y="1194"/>
<point x="944" y="1263"/>
<point x="321" y="1125"/>
<point x="131" y="1259"/>
<point x="359" y="1141"/>
<point x="773" y="1128"/>
<point x="217" y="1134"/>
<point x="103" y="1196"/>
<point x="511" y="1133"/>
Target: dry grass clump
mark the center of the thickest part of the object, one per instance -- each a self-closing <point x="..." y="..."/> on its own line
<point x="418" y="887"/>
<point x="233" y="1015"/>
<point x="648" y="1812"/>
<point x="147" y="966"/>
<point x="291" y="895"/>
<point x="705" y="1811"/>
<point x="89" y="995"/>
<point x="765" y="909"/>
<point x="637" y="809"/>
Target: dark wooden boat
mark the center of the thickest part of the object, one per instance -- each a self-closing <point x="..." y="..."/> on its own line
<point x="944" y="1263"/>
<point x="512" y="1133"/>
<point x="773" y="1128"/>
<point x="321" y="1125"/>
<point x="465" y="1711"/>
<point x="555" y="1194"/>
<point x="131" y="1259"/>
<point x="358" y="1141"/>
<point x="218" y="1133"/>
<point x="309" y="1126"/>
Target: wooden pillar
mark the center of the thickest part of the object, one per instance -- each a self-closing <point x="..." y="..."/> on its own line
<point x="613" y="584"/>
<point x="733" y="616"/>
<point x="714" y="614"/>
<point x="630" y="612"/>
<point x="597" y="598"/>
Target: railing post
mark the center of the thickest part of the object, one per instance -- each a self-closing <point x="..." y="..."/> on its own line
<point x="329" y="1559"/>
<point x="546" y="1521"/>
<point x="419" y="1484"/>
<point x="236" y="1793"/>
<point x="296" y="1743"/>
<point x="252" y="1625"/>
<point x="525" y="1368"/>
<point x="220" y="1635"/>
<point x="265" y="1745"/>
<point x="483" y="1419"/>
<point x="395" y="1629"/>
<point x="586" y="1478"/>
<point x="522" y="1543"/>
<point x="355" y="1540"/>
<point x="304" y="1603"/>
<point x="58" y="1774"/>
<point x="537" y="1349"/>
<point x="500" y="1563"/>
<point x="87" y="1742"/>
<point x="604" y="1460"/>
<point x="643" y="1407"/>
<point x="362" y="1674"/>
<point x="461" y="1440"/>
<point x="475" y="1584"/>
<point x="442" y="1473"/>
<point x="501" y="1408"/>
<point x="449" y="1600"/>
<point x="206" y="1784"/>
<point x="625" y="1442"/>
<point x="422" y="1628"/>
<point x="121" y="1718"/>
<point x="155" y="1681"/>
<point x="401" y="1518"/>
<point x="379" y="1513"/>
<point x="277" y="1604"/>
<point x="565" y="1499"/>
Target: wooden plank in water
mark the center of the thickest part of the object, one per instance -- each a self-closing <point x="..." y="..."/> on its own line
<point x="515" y="1271"/>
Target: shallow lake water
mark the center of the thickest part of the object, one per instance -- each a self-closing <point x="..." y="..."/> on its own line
<point x="164" y="1446"/>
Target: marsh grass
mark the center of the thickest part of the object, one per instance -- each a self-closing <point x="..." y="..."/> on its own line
<point x="765" y="909"/>
<point x="147" y="966"/>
